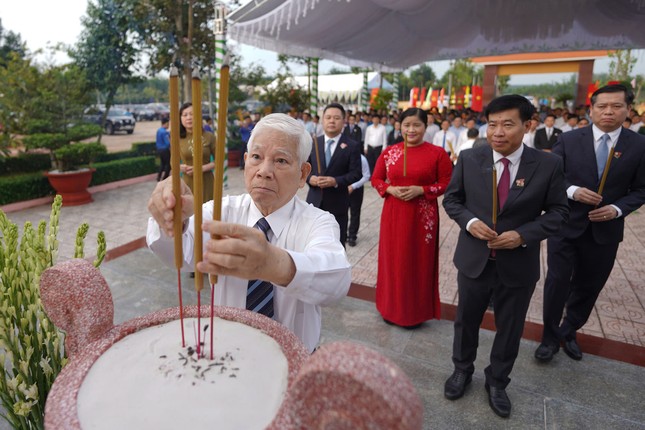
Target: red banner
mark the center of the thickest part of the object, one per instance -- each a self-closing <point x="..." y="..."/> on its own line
<point x="459" y="101"/>
<point x="590" y="90"/>
<point x="422" y="97"/>
<point x="373" y="95"/>
<point x="434" y="99"/>
<point x="478" y="98"/>
<point x="414" y="95"/>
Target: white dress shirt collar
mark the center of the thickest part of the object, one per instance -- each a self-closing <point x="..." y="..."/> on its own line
<point x="598" y="133"/>
<point x="514" y="158"/>
<point x="277" y="220"/>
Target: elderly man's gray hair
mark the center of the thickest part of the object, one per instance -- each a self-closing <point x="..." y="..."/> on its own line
<point x="292" y="128"/>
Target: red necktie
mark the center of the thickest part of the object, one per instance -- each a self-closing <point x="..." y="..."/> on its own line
<point x="504" y="183"/>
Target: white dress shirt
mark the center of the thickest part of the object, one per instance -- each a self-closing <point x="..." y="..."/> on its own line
<point x="308" y="234"/>
<point x="597" y="135"/>
<point x="365" y="168"/>
<point x="450" y="137"/>
<point x="431" y="130"/>
<point x="529" y="139"/>
<point x="334" y="145"/>
<point x="375" y="137"/>
<point x="513" y="166"/>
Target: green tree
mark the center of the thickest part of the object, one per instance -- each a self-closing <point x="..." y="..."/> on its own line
<point x="622" y="65"/>
<point x="105" y="51"/>
<point x="175" y="32"/>
<point x="10" y="42"/>
<point x="382" y="100"/>
<point x="463" y="71"/>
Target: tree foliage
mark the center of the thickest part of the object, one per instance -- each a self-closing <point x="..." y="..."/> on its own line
<point x="106" y="52"/>
<point x="176" y="32"/>
<point x="463" y="71"/>
<point x="621" y="65"/>
<point x="10" y="42"/>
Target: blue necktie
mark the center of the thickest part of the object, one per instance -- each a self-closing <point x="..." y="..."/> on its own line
<point x="601" y="154"/>
<point x="444" y="140"/>
<point x="259" y="293"/>
<point x="328" y="152"/>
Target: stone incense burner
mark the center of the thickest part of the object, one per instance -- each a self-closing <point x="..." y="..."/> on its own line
<point x="340" y="386"/>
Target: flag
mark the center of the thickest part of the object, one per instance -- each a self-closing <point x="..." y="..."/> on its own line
<point x="434" y="99"/>
<point x="453" y="97"/>
<point x="459" y="99"/>
<point x="590" y="90"/>
<point x="613" y="82"/>
<point x="429" y="96"/>
<point x="414" y="94"/>
<point x="442" y="94"/>
<point x="373" y="95"/>
<point x="478" y="101"/>
<point x="633" y="82"/>
<point x="467" y="98"/>
<point x="422" y="96"/>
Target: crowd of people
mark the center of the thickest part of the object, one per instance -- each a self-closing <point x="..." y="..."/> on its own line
<point x="511" y="178"/>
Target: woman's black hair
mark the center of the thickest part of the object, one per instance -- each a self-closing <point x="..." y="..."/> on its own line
<point x="419" y="113"/>
<point x="182" y="129"/>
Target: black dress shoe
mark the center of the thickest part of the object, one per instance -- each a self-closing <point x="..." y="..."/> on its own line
<point x="572" y="349"/>
<point x="456" y="385"/>
<point x="545" y="353"/>
<point x="351" y="242"/>
<point x="498" y="401"/>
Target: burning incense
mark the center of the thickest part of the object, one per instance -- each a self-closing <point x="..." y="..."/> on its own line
<point x="198" y="193"/>
<point x="222" y="111"/>
<point x="317" y="156"/>
<point x="175" y="160"/>
<point x="405" y="154"/>
<point x="494" y="196"/>
<point x="606" y="171"/>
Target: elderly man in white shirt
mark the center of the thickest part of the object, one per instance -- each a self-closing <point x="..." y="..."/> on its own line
<point x="446" y="139"/>
<point x="300" y="254"/>
<point x="375" y="140"/>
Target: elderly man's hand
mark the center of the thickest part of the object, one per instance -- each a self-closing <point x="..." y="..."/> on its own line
<point x="586" y="196"/>
<point x="507" y="240"/>
<point x="244" y="252"/>
<point x="480" y="230"/>
<point x="162" y="203"/>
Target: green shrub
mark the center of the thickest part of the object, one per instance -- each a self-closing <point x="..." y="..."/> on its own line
<point x="79" y="154"/>
<point x="30" y="186"/>
<point x="111" y="156"/>
<point x="145" y="148"/>
<point x="122" y="169"/>
<point x="25" y="162"/>
<point x="23" y="187"/>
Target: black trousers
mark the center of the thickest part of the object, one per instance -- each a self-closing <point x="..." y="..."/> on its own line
<point x="372" y="155"/>
<point x="577" y="271"/>
<point x="164" y="168"/>
<point x="355" y="203"/>
<point x="510" y="304"/>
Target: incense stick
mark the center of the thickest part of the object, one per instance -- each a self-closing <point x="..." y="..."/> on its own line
<point x="175" y="161"/>
<point x="198" y="192"/>
<point x="405" y="154"/>
<point x="606" y="171"/>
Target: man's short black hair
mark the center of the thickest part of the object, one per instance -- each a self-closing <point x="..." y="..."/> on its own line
<point x="616" y="88"/>
<point x="472" y="133"/>
<point x="336" y="106"/>
<point x="511" y="101"/>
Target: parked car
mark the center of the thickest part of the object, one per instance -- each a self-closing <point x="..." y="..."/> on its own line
<point x="161" y="110"/>
<point x="116" y="120"/>
<point x="144" y="113"/>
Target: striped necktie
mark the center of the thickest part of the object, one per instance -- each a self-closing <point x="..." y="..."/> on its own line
<point x="259" y="293"/>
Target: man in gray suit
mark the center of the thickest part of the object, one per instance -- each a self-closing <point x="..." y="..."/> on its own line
<point x="500" y="260"/>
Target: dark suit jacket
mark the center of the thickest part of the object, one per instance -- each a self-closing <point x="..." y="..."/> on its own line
<point x="354" y="133"/>
<point x="345" y="167"/>
<point x="625" y="185"/>
<point x="392" y="140"/>
<point x="536" y="208"/>
<point x="541" y="142"/>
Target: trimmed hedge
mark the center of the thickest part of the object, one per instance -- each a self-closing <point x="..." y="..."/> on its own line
<point x="30" y="186"/>
<point x="25" y="163"/>
<point x="118" y="170"/>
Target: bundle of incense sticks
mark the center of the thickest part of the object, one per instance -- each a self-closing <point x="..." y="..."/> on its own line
<point x="494" y="196"/>
<point x="405" y="154"/>
<point x="606" y="171"/>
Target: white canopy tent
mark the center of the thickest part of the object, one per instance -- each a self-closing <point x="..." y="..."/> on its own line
<point x="392" y="35"/>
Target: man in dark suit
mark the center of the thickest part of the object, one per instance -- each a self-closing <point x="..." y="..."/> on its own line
<point x="353" y="131"/>
<point x="336" y="164"/>
<point x="546" y="137"/>
<point x="500" y="259"/>
<point x="581" y="257"/>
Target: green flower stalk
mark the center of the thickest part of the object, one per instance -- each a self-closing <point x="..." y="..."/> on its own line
<point x="32" y="350"/>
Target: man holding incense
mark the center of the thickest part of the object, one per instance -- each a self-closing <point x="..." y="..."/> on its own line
<point x="605" y="174"/>
<point x="506" y="198"/>
<point x="268" y="234"/>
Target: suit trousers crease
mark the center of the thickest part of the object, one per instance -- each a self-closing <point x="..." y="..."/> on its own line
<point x="373" y="152"/>
<point x="578" y="271"/>
<point x="355" y="203"/>
<point x="510" y="308"/>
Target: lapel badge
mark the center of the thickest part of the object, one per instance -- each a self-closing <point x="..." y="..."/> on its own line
<point x="343" y="145"/>
<point x="617" y="154"/>
<point x="519" y="183"/>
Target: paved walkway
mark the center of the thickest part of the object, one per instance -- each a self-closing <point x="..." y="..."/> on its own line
<point x="619" y="313"/>
<point x="595" y="393"/>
